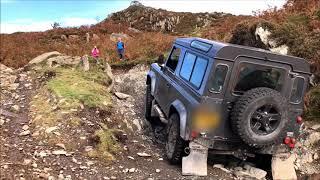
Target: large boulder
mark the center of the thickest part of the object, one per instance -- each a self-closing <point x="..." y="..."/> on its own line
<point x="63" y="60"/>
<point x="44" y="57"/>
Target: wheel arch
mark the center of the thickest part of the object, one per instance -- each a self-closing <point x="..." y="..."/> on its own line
<point x="178" y="107"/>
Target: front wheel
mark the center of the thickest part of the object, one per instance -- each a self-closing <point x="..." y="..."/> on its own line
<point x="174" y="144"/>
<point x="148" y="103"/>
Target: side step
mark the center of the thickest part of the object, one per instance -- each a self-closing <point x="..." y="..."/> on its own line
<point x="160" y="114"/>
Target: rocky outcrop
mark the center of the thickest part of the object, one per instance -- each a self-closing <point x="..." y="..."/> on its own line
<point x="114" y="36"/>
<point x="7" y="78"/>
<point x="150" y="19"/>
<point x="73" y="37"/>
<point x="63" y="60"/>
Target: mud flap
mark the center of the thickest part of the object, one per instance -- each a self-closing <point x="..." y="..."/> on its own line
<point x="195" y="163"/>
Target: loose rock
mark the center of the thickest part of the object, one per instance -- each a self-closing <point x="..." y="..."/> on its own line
<point x="59" y="152"/>
<point x="15" y="108"/>
<point x="24" y="133"/>
<point x="122" y="95"/>
<point x="144" y="154"/>
<point x="131" y="170"/>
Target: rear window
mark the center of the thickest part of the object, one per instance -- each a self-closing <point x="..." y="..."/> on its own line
<point x="297" y="90"/>
<point x="219" y="78"/>
<point x="193" y="69"/>
<point x="252" y="76"/>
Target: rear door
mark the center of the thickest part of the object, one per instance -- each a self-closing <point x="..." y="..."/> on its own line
<point x="217" y="85"/>
<point x="249" y="73"/>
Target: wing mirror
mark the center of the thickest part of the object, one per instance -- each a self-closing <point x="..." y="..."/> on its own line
<point x="160" y="59"/>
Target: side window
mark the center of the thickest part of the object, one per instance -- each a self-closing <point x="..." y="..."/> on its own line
<point x="193" y="69"/>
<point x="219" y="77"/>
<point x="173" y="59"/>
<point x="253" y="76"/>
<point x="187" y="65"/>
<point x="198" y="71"/>
<point x="297" y="90"/>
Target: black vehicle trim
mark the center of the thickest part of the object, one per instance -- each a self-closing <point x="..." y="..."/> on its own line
<point x="224" y="82"/>
<point x="274" y="61"/>
<point x="303" y="90"/>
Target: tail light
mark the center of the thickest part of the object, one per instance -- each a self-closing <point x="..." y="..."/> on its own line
<point x="299" y="120"/>
<point x="289" y="141"/>
<point x="291" y="145"/>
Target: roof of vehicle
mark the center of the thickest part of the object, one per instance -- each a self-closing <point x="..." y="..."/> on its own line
<point x="231" y="52"/>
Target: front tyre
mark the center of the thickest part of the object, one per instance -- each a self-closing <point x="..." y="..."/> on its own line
<point x="148" y="103"/>
<point x="174" y="144"/>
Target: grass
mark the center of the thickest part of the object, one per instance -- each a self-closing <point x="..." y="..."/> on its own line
<point x="77" y="86"/>
<point x="65" y="91"/>
<point x="107" y="144"/>
<point x="41" y="106"/>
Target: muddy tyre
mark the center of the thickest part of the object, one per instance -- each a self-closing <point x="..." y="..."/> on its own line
<point x="260" y="117"/>
<point x="175" y="144"/>
<point x="148" y="103"/>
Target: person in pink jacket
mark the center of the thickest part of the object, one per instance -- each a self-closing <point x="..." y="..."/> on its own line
<point x="95" y="53"/>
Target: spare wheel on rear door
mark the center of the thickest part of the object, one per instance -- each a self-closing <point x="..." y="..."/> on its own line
<point x="260" y="117"/>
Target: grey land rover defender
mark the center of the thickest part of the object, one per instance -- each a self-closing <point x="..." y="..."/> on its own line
<point x="237" y="100"/>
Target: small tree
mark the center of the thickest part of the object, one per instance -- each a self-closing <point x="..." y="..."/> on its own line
<point x="55" y="25"/>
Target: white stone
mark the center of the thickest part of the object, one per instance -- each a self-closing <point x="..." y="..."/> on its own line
<point x="131" y="170"/>
<point x="24" y="133"/>
<point x="255" y="172"/>
<point x="61" y="145"/>
<point x="15" y="108"/>
<point x="2" y="122"/>
<point x="50" y="129"/>
<point x="315" y="127"/>
<point x="130" y="157"/>
<point x="122" y="95"/>
<point x="158" y="170"/>
<point x="282" y="167"/>
<point x="25" y="127"/>
<point x="27" y="161"/>
<point x="143" y="154"/>
<point x="313" y="138"/>
<point x="59" y="152"/>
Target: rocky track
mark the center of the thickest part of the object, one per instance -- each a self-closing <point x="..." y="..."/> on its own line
<point x="24" y="156"/>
